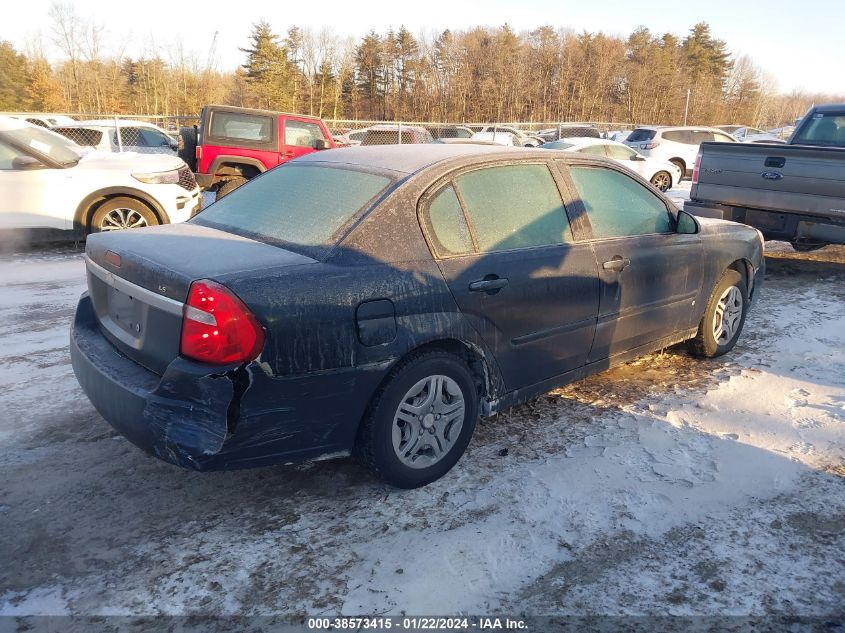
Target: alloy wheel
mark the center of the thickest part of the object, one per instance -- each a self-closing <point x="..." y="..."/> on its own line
<point x="122" y="218"/>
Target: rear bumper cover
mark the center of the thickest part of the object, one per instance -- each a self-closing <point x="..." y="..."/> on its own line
<point x="206" y="418"/>
<point x="775" y="225"/>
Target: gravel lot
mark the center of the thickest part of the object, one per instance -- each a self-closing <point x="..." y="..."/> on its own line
<point x="666" y="486"/>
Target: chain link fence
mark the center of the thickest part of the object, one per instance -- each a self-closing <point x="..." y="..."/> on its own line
<point x="115" y="133"/>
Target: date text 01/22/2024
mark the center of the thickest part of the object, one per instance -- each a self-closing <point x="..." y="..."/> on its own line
<point x="415" y="624"/>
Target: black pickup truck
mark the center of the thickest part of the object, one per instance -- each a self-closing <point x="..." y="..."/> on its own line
<point x="793" y="192"/>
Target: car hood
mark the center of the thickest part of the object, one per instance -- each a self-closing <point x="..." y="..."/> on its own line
<point x="130" y="161"/>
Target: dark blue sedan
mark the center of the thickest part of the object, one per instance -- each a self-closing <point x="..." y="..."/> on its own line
<point x="377" y="300"/>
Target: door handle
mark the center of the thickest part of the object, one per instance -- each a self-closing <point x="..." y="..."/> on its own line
<point x="288" y="153"/>
<point x="618" y="263"/>
<point x="490" y="284"/>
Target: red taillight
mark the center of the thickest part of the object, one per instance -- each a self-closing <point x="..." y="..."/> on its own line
<point x="198" y="152"/>
<point x="695" y="169"/>
<point x="217" y="327"/>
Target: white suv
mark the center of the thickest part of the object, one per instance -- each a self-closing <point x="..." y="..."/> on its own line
<point x="678" y="145"/>
<point x="48" y="184"/>
<point x="135" y="136"/>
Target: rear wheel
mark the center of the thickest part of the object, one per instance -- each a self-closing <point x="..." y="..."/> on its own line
<point x="122" y="213"/>
<point x="723" y="318"/>
<point x="420" y="421"/>
<point x="677" y="162"/>
<point x="229" y="186"/>
<point x="662" y="180"/>
<point x="806" y="247"/>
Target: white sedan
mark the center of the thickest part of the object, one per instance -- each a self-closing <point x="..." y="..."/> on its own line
<point x="662" y="174"/>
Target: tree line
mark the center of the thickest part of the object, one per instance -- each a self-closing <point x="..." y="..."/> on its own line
<point x="479" y="74"/>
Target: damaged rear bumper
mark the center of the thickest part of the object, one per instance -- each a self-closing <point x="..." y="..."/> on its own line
<point x="204" y="418"/>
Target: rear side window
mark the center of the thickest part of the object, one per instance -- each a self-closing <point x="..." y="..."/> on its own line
<point x="620" y="152"/>
<point x="448" y="225"/>
<point x="594" y="150"/>
<point x="641" y="134"/>
<point x="723" y="138"/>
<point x="679" y="136"/>
<point x="246" y="127"/>
<point x="302" y="133"/>
<point x="81" y="136"/>
<point x="387" y="137"/>
<point x="618" y="206"/>
<point x="295" y="204"/>
<point x="515" y="206"/>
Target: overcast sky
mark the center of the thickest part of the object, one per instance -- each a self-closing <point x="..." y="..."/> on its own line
<point x="801" y="45"/>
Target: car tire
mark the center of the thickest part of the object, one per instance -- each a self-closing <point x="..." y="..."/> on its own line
<point x="409" y="437"/>
<point x="723" y="318"/>
<point x="229" y="186"/>
<point x="662" y="180"/>
<point x="122" y="213"/>
<point x="188" y="146"/>
<point x="677" y="162"/>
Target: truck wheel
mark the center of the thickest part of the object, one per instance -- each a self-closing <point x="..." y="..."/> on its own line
<point x="188" y="146"/>
<point x="662" y="180"/>
<point x="420" y="422"/>
<point x="229" y="186"/>
<point x="122" y="213"/>
<point x="806" y="247"/>
<point x="723" y="317"/>
<point x="677" y="162"/>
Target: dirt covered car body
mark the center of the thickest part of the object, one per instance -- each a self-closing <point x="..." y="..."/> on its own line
<point x="467" y="278"/>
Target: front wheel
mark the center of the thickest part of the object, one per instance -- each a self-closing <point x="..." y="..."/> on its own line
<point x="420" y="421"/>
<point x="122" y="213"/>
<point x="662" y="180"/>
<point x="723" y="318"/>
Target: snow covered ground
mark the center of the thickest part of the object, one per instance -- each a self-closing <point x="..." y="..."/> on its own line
<point x="667" y="486"/>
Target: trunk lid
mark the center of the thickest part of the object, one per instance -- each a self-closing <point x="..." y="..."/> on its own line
<point x="139" y="279"/>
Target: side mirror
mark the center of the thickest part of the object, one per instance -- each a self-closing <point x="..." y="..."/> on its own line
<point x="26" y="163"/>
<point x="687" y="224"/>
<point x="321" y="143"/>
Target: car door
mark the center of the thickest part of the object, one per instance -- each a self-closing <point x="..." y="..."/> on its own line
<point x="504" y="244"/>
<point x="650" y="274"/>
<point x="298" y="138"/>
<point x="34" y="197"/>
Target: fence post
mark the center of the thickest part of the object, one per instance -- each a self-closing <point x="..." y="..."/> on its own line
<point x="400" y="132"/>
<point x="118" y="135"/>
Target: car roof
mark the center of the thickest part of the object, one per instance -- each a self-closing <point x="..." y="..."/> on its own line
<point x="829" y="107"/>
<point x="408" y="159"/>
<point x="8" y="123"/>
<point x="110" y="123"/>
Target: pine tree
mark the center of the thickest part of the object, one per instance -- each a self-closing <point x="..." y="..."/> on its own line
<point x="267" y="68"/>
<point x="13" y="78"/>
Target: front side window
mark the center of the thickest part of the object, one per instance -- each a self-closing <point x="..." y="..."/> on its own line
<point x="617" y="205"/>
<point x="295" y="204"/>
<point x="302" y="133"/>
<point x="53" y="148"/>
<point x="245" y="127"/>
<point x="8" y="155"/>
<point x="514" y="206"/>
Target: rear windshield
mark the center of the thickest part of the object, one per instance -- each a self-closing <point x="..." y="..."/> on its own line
<point x="293" y="204"/>
<point x="823" y="129"/>
<point x="641" y="134"/>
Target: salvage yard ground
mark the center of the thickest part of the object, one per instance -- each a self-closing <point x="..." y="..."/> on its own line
<point x="669" y="485"/>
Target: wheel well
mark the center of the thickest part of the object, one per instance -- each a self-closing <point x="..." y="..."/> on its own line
<point x="88" y="210"/>
<point x="682" y="162"/>
<point x="744" y="268"/>
<point x="237" y="169"/>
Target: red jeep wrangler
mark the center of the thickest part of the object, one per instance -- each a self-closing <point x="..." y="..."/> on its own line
<point x="232" y="145"/>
